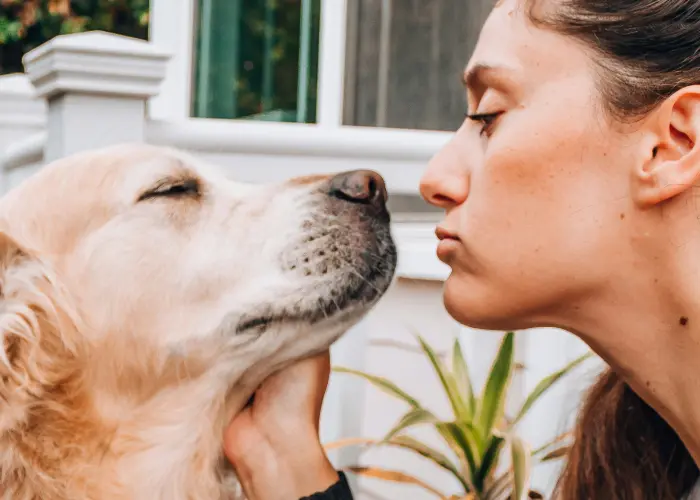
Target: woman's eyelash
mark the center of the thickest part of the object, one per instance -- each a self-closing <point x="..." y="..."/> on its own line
<point x="486" y="119"/>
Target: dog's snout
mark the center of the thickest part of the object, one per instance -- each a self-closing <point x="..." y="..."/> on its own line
<point x="360" y="186"/>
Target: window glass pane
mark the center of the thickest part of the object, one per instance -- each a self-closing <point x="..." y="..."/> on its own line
<point x="405" y="59"/>
<point x="256" y="59"/>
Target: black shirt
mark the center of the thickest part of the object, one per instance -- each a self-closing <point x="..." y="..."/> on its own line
<point x="339" y="491"/>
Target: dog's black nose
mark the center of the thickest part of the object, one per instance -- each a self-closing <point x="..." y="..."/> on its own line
<point x="360" y="186"/>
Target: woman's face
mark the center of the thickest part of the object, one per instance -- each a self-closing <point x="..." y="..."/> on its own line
<point x="536" y="193"/>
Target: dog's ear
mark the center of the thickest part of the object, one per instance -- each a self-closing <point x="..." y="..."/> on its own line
<point x="36" y="355"/>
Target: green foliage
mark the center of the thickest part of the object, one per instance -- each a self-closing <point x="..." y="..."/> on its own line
<point x="479" y="434"/>
<point x="256" y="59"/>
<point x="26" y="24"/>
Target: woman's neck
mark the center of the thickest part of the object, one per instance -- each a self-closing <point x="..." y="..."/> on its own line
<point x="646" y="326"/>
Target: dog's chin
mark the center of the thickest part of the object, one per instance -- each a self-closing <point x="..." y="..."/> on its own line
<point x="334" y="305"/>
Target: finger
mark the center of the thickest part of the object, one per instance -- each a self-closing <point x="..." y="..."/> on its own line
<point x="238" y="434"/>
<point x="323" y="367"/>
<point x="307" y="376"/>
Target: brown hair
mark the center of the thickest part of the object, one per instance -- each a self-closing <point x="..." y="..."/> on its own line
<point x="644" y="50"/>
<point x="623" y="450"/>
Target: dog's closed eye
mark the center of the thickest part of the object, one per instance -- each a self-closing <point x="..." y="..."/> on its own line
<point x="172" y="188"/>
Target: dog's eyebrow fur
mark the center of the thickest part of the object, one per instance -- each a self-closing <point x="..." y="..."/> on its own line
<point x="189" y="184"/>
<point x="169" y="170"/>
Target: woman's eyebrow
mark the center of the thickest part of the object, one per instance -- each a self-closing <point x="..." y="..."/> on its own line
<point x="476" y="76"/>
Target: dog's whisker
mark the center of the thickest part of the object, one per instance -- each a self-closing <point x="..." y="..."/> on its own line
<point x="356" y="273"/>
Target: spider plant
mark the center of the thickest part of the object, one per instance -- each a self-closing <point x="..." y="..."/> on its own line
<point x="479" y="433"/>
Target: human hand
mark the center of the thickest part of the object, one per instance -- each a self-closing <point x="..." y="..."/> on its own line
<point x="274" y="443"/>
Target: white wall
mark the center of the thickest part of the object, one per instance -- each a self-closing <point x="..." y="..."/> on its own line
<point x="415" y="306"/>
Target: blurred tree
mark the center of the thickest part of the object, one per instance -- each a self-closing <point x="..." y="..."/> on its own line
<point x="26" y="24"/>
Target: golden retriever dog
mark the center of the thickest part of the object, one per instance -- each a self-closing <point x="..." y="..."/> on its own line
<point x="145" y="297"/>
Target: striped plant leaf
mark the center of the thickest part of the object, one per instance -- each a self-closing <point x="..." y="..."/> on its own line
<point x="489" y="461"/>
<point x="408" y="443"/>
<point x="448" y="381"/>
<point x="415" y="416"/>
<point x="382" y="384"/>
<point x="426" y="451"/>
<point x="462" y="379"/>
<point x="462" y="440"/>
<point x="545" y="384"/>
<point x="394" y="476"/>
<point x="494" y="392"/>
<point x="520" y="456"/>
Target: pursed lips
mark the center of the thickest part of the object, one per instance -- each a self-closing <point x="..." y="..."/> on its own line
<point x="449" y="241"/>
<point x="445" y="234"/>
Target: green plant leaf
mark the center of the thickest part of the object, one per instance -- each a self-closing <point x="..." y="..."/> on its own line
<point x="344" y="443"/>
<point x="520" y="455"/>
<point x="494" y="392"/>
<point x="426" y="451"/>
<point x="499" y="488"/>
<point x="556" y="453"/>
<point x="394" y="476"/>
<point x="408" y="443"/>
<point x="415" y="416"/>
<point x="556" y="441"/>
<point x="489" y="461"/>
<point x="13" y="31"/>
<point x="461" y="438"/>
<point x="545" y="384"/>
<point x="462" y="378"/>
<point x="383" y="384"/>
<point x="401" y="345"/>
<point x="448" y="382"/>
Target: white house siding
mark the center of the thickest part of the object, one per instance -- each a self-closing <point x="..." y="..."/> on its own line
<point x="415" y="306"/>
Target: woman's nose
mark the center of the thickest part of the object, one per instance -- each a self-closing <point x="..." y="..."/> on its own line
<point x="445" y="183"/>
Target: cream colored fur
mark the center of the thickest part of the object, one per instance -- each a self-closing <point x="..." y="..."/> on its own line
<point x="123" y="321"/>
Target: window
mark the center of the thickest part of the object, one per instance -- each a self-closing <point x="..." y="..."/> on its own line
<point x="404" y="61"/>
<point x="256" y="59"/>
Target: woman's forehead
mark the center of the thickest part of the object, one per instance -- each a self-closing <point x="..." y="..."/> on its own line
<point x="510" y="40"/>
<point x="498" y="37"/>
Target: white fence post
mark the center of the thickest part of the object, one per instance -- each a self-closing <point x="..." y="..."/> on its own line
<point x="97" y="85"/>
<point x="22" y="115"/>
<point x="22" y="112"/>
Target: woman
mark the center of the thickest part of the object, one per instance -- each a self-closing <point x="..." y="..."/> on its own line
<point x="569" y="202"/>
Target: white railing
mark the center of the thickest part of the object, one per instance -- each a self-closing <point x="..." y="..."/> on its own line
<point x="28" y="151"/>
<point x="298" y="139"/>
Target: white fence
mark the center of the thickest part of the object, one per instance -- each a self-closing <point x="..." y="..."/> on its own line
<point x="94" y="89"/>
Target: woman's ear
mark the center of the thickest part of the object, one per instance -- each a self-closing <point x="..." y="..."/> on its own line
<point x="37" y="353"/>
<point x="672" y="163"/>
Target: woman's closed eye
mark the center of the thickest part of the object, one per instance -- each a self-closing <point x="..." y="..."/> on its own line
<point x="487" y="121"/>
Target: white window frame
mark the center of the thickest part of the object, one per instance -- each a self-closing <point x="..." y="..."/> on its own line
<point x="172" y="29"/>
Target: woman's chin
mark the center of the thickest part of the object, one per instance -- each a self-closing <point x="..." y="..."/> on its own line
<point x="473" y="306"/>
